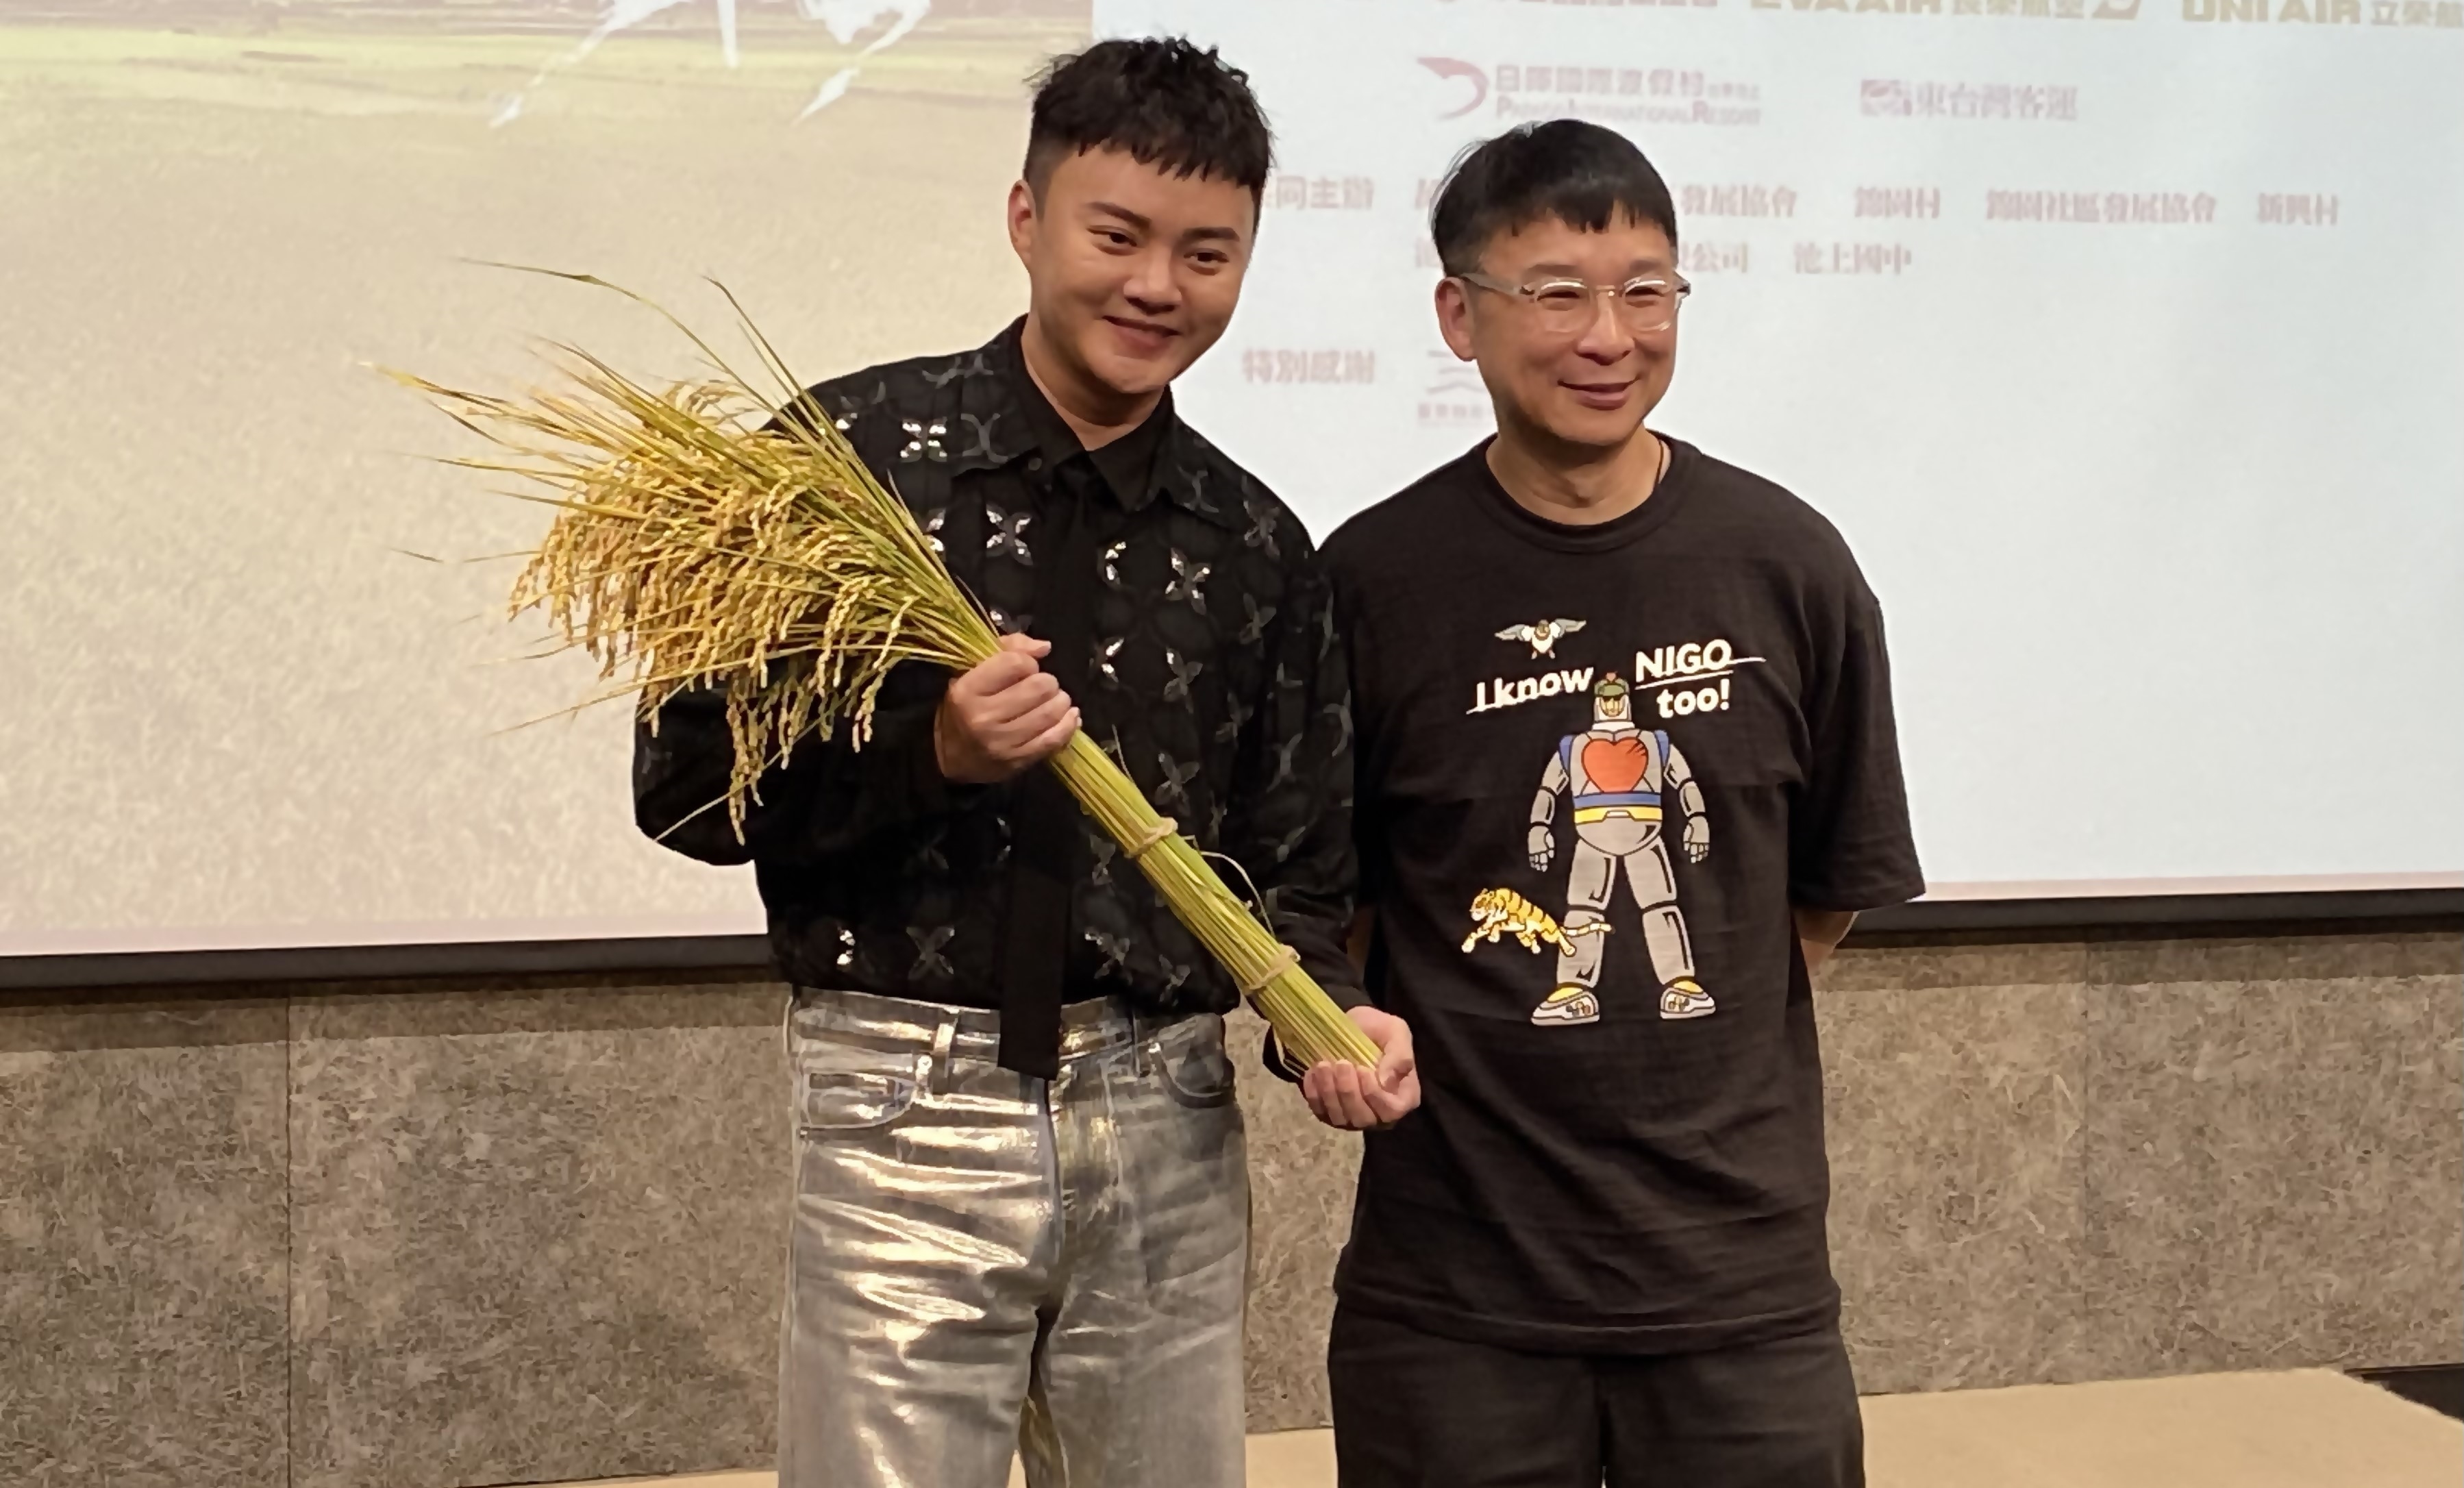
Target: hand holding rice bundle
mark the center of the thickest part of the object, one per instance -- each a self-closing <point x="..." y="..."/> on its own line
<point x="701" y="542"/>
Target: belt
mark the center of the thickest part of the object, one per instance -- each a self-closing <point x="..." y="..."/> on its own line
<point x="1585" y="814"/>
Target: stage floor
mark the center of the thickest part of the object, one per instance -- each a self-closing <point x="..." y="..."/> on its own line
<point x="2298" y="1428"/>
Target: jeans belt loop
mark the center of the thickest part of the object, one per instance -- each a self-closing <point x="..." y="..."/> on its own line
<point x="938" y="1060"/>
<point x="1147" y="1034"/>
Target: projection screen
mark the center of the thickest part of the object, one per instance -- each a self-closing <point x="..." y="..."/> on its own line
<point x="2124" y="339"/>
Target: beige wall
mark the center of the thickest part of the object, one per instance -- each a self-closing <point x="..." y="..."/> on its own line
<point x="460" y="1234"/>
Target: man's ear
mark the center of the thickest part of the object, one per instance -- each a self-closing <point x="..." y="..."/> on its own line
<point x="1023" y="220"/>
<point x="1454" y="316"/>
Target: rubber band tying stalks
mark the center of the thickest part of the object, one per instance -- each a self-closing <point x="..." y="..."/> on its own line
<point x="1164" y="826"/>
<point x="1285" y="958"/>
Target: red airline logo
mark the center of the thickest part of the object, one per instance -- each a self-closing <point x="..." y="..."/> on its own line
<point x="1448" y="67"/>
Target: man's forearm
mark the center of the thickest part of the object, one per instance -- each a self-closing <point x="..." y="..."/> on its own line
<point x="1819" y="932"/>
<point x="680" y="779"/>
<point x="833" y="799"/>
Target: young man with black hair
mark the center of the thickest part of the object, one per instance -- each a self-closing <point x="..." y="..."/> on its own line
<point x="1627" y="770"/>
<point x="1022" y="1200"/>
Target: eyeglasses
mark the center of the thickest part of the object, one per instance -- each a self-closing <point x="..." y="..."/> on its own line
<point x="1564" y="306"/>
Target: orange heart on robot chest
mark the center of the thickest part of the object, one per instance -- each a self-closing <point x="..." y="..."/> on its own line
<point x="1616" y="764"/>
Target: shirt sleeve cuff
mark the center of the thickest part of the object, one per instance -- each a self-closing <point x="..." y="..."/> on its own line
<point x="908" y="769"/>
<point x="1347" y="992"/>
<point x="1855" y="897"/>
<point x="1281" y="1065"/>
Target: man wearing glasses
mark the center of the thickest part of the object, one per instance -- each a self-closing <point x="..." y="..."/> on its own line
<point x="1627" y="769"/>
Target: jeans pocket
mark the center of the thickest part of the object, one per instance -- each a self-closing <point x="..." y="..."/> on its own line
<point x="831" y="1100"/>
<point x="1196" y="1068"/>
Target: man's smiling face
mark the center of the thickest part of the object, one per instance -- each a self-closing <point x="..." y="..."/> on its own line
<point x="1134" y="271"/>
<point x="1593" y="385"/>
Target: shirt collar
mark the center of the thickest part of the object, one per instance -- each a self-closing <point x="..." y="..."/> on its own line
<point x="1004" y="417"/>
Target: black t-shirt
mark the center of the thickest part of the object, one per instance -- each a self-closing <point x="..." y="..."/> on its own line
<point x="1597" y="765"/>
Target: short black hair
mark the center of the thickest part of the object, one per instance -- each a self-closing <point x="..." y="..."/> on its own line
<point x="1577" y="172"/>
<point x="1161" y="99"/>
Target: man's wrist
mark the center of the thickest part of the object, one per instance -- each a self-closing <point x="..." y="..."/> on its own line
<point x="949" y="756"/>
<point x="936" y="751"/>
<point x="941" y="773"/>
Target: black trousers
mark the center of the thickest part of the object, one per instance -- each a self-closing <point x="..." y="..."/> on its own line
<point x="1415" y="1410"/>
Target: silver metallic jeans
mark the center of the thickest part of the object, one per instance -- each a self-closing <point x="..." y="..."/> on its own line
<point x="983" y="1261"/>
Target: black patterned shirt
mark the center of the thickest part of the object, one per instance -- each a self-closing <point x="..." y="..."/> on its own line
<point x="1207" y="666"/>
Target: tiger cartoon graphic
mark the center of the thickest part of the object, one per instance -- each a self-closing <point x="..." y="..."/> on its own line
<point x="1497" y="913"/>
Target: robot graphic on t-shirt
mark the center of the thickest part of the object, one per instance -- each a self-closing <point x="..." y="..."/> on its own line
<point x="1619" y="780"/>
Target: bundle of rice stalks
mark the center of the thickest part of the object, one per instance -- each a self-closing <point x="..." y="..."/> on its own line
<point x="700" y="543"/>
